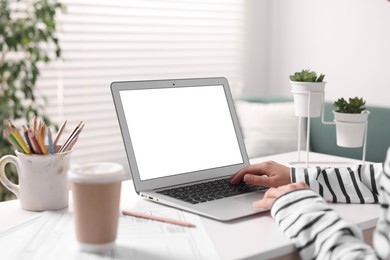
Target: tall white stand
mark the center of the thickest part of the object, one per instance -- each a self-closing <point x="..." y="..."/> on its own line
<point x="308" y="93"/>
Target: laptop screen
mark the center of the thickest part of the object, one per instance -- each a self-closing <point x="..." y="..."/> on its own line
<point x="180" y="130"/>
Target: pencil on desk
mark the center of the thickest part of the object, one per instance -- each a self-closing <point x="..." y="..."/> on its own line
<point x="157" y="218"/>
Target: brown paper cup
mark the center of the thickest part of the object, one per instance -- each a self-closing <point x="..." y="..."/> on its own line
<point x="96" y="196"/>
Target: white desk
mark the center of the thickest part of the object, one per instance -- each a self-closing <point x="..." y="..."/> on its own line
<point x="254" y="237"/>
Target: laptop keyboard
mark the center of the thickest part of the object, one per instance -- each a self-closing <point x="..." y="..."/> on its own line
<point x="208" y="191"/>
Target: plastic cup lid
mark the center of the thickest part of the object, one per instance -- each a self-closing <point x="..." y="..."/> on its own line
<point x="103" y="172"/>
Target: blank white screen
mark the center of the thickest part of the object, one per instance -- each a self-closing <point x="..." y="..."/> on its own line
<point x="180" y="130"/>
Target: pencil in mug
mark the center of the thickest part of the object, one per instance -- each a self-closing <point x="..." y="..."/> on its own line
<point x="50" y="141"/>
<point x="15" y="134"/>
<point x="34" y="138"/>
<point x="43" y="131"/>
<point x="59" y="134"/>
<point x="41" y="143"/>
<point x="28" y="139"/>
<point x="33" y="141"/>
<point x="72" y="144"/>
<point x="76" y="131"/>
<point x="70" y="136"/>
<point x="39" y="129"/>
<point x="12" y="141"/>
<point x="71" y="140"/>
<point x="34" y="127"/>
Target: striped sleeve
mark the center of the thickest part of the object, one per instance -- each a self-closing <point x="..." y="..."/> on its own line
<point x="357" y="184"/>
<point x="381" y="240"/>
<point x="316" y="230"/>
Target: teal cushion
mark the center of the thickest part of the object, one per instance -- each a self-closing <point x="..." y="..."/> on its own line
<point x="323" y="137"/>
<point x="265" y="99"/>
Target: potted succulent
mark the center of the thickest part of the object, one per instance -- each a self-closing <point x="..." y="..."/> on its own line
<point x="307" y="85"/>
<point x="351" y="121"/>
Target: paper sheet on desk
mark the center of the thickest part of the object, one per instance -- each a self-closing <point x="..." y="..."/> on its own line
<point x="50" y="235"/>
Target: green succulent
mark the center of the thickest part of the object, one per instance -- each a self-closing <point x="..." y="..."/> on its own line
<point x="307" y="76"/>
<point x="354" y="106"/>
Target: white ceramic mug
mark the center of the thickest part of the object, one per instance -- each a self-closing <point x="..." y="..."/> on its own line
<point x="43" y="183"/>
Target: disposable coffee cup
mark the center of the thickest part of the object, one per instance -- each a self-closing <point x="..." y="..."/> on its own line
<point x="96" y="194"/>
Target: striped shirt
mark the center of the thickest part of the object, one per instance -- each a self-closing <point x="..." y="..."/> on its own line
<point x="317" y="231"/>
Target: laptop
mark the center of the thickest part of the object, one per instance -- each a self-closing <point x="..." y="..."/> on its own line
<point x="183" y="142"/>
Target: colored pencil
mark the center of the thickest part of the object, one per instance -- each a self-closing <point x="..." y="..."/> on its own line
<point x="74" y="134"/>
<point x="41" y="144"/>
<point x="11" y="141"/>
<point x="43" y="131"/>
<point x="20" y="141"/>
<point x="33" y="141"/>
<point x="27" y="139"/>
<point x="18" y="137"/>
<point x="34" y="138"/>
<point x="59" y="134"/>
<point x="50" y="141"/>
<point x="157" y="218"/>
<point x="72" y="144"/>
<point x="66" y="143"/>
<point x="34" y="125"/>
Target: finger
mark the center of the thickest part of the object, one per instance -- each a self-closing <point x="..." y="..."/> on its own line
<point x="265" y="203"/>
<point x="237" y="177"/>
<point x="301" y="185"/>
<point x="296" y="186"/>
<point x="262" y="180"/>
<point x="250" y="169"/>
<point x="274" y="193"/>
<point x="258" y="180"/>
<point x="267" y="200"/>
<point x="254" y="169"/>
<point x="290" y="187"/>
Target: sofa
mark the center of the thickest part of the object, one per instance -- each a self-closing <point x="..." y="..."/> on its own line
<point x="269" y="126"/>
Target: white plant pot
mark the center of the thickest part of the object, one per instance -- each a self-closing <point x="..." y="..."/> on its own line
<point x="350" y="128"/>
<point x="301" y="92"/>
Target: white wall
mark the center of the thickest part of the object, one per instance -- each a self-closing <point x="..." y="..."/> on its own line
<point x="257" y="47"/>
<point x="348" y="40"/>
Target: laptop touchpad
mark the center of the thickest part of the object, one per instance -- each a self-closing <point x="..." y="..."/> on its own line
<point x="250" y="197"/>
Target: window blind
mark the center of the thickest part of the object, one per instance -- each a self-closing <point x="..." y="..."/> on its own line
<point x="120" y="40"/>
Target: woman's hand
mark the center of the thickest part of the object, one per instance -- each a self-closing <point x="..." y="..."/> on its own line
<point x="267" y="174"/>
<point x="273" y="193"/>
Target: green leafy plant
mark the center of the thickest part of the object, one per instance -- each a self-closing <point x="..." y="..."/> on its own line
<point x="27" y="40"/>
<point x="306" y="76"/>
<point x="353" y="106"/>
